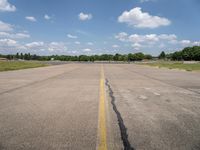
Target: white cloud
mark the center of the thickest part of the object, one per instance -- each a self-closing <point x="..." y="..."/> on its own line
<point x="7" y="42"/>
<point x="138" y="41"/>
<point x="37" y="47"/>
<point x="90" y="43"/>
<point x="6" y="6"/>
<point x="31" y="18"/>
<point x="51" y="47"/>
<point x="33" y="45"/>
<point x="77" y="42"/>
<point x="196" y="43"/>
<point x="87" y="50"/>
<point x="5" y="26"/>
<point x="84" y="17"/>
<point x="72" y="36"/>
<point x="148" y="38"/>
<point x="136" y="45"/>
<point x="185" y="42"/>
<point x="14" y="35"/>
<point x="162" y="45"/>
<point x="115" y="46"/>
<point x="56" y="46"/>
<point x="142" y="1"/>
<point x="21" y="35"/>
<point x="122" y="36"/>
<point x="152" y="38"/>
<point x="136" y="18"/>
<point x="47" y="17"/>
<point x="154" y="41"/>
<point x="170" y="37"/>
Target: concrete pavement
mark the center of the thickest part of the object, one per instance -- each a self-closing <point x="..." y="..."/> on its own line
<point x="52" y="108"/>
<point x="160" y="107"/>
<point x="57" y="107"/>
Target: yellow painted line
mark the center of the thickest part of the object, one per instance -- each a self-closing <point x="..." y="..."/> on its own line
<point x="102" y="143"/>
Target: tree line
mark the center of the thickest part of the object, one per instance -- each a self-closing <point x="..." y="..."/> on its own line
<point x="187" y="54"/>
<point x="103" y="57"/>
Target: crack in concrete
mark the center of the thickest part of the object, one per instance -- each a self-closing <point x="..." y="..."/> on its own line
<point x="122" y="127"/>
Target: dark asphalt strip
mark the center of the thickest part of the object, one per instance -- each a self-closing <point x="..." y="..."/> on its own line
<point x="123" y="129"/>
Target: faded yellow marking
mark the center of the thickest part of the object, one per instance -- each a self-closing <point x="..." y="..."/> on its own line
<point x="102" y="143"/>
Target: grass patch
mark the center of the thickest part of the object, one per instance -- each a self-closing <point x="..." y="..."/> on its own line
<point x="16" y="65"/>
<point x="175" y="65"/>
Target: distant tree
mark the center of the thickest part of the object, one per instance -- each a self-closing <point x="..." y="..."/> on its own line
<point x="148" y="57"/>
<point x="116" y="57"/>
<point x="84" y="58"/>
<point x="196" y="53"/>
<point x="130" y="57"/>
<point x="17" y="56"/>
<point x="139" y="56"/>
<point x="177" y="56"/>
<point x="162" y="55"/>
<point x="21" y="56"/>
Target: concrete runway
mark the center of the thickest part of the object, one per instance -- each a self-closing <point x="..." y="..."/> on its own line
<point x="58" y="108"/>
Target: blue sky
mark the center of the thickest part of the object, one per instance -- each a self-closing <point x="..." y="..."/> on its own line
<point x="75" y="27"/>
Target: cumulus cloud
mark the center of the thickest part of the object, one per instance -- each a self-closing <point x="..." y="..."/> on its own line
<point x="122" y="36"/>
<point x="72" y="36"/>
<point x="136" y="45"/>
<point x="77" y="42"/>
<point x="90" y="43"/>
<point x="31" y="18"/>
<point x="87" y="50"/>
<point x="115" y="46"/>
<point x="47" y="17"/>
<point x="8" y="42"/>
<point x="196" y="43"/>
<point x="37" y="47"/>
<point x="57" y="47"/>
<point x="5" y="26"/>
<point x="170" y="37"/>
<point x="159" y="41"/>
<point x="34" y="45"/>
<point x="82" y="16"/>
<point x="142" y="1"/>
<point x="136" y="18"/>
<point x="51" y="47"/>
<point x="6" y="6"/>
<point x="148" y="38"/>
<point x="185" y="42"/>
<point x="14" y="35"/>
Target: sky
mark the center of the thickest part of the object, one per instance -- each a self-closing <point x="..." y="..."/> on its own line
<point x="75" y="27"/>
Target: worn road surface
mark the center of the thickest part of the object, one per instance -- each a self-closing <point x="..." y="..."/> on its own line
<point x="95" y="106"/>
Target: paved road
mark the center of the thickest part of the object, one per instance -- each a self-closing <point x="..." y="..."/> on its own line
<point x="59" y="107"/>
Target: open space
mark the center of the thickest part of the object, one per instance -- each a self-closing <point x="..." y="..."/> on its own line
<point x="99" y="75"/>
<point x="105" y="106"/>
<point x="16" y="65"/>
<point x="188" y="66"/>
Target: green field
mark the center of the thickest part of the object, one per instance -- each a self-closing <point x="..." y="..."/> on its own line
<point x="16" y="65"/>
<point x="174" y="65"/>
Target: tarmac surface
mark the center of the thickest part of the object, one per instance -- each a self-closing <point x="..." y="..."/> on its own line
<point x="60" y="107"/>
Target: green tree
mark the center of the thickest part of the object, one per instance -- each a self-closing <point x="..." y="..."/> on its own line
<point x="162" y="55"/>
<point x="148" y="57"/>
